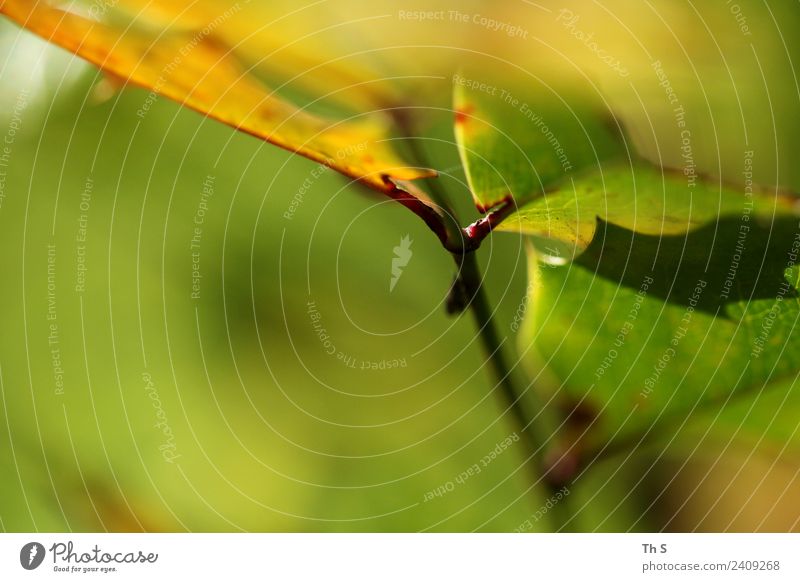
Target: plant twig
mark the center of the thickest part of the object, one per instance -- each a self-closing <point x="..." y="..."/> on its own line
<point x="533" y="432"/>
<point x="540" y="431"/>
<point x="468" y="293"/>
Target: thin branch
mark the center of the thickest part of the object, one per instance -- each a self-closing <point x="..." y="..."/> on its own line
<point x="481" y="228"/>
<point x="468" y="293"/>
<point x="533" y="431"/>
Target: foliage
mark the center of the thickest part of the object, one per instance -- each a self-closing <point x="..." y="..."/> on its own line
<point x="662" y="296"/>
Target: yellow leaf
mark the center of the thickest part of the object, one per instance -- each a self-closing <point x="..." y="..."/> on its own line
<point x="193" y="61"/>
<point x="285" y="41"/>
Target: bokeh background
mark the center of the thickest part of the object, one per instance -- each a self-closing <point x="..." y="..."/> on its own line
<point x="130" y="405"/>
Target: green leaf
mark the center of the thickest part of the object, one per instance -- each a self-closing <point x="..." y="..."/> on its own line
<point x="639" y="197"/>
<point x="650" y="331"/>
<point x="767" y="419"/>
<point x="517" y="143"/>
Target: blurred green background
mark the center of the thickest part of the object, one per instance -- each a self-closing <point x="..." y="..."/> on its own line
<point x="267" y="431"/>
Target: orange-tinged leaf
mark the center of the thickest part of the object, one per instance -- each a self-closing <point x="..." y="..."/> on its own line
<point x="283" y="39"/>
<point x="194" y="65"/>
